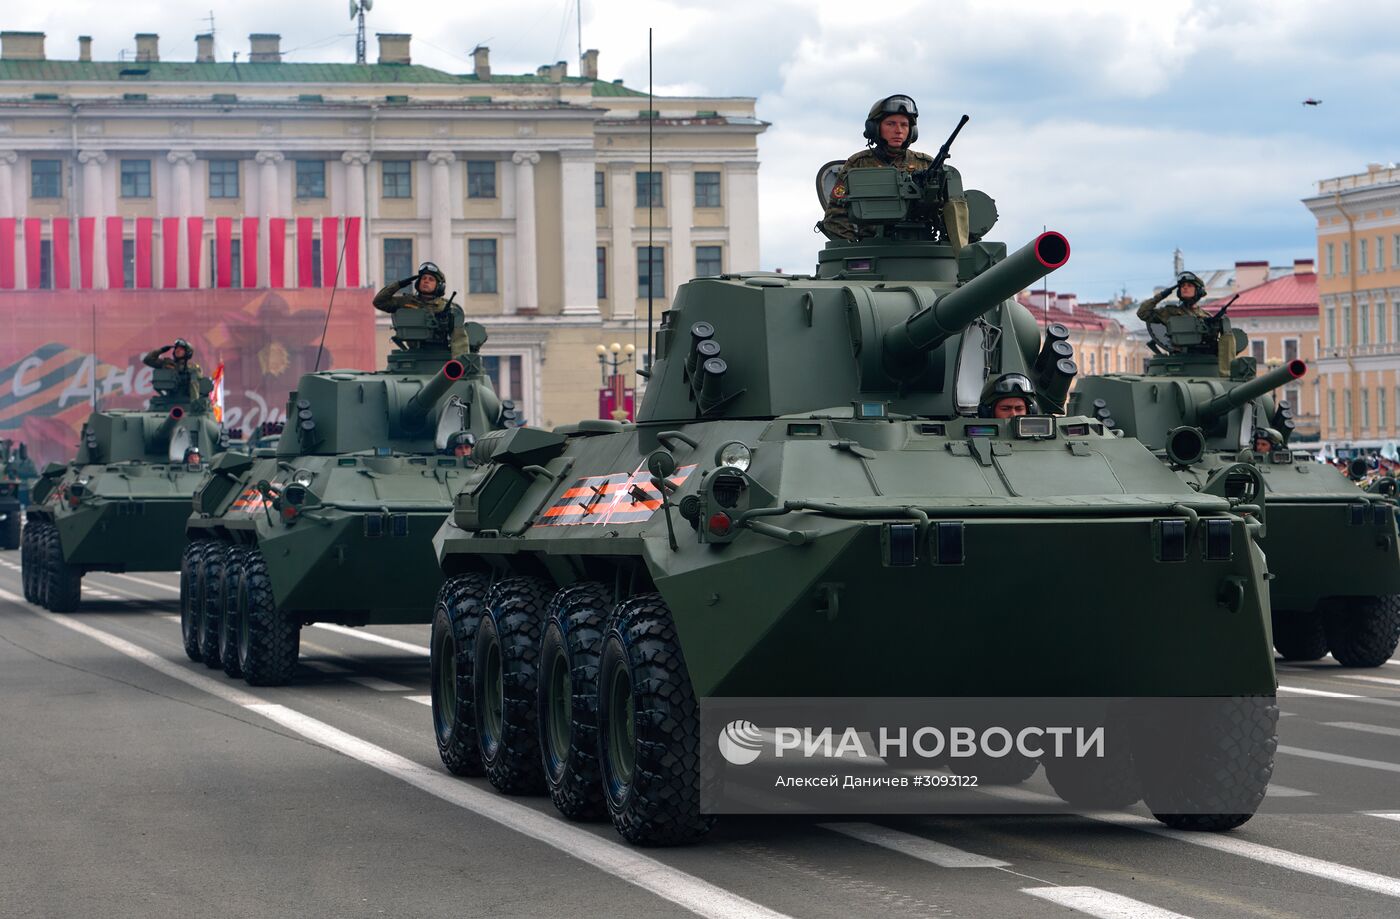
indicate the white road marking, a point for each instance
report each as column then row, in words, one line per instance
column 1095, row 902
column 1368, row 728
column 169, row 588
column 927, row 850
column 1384, row 815
column 1283, row 791
column 1371, row 679
column 1232, row 845
column 378, row 685
column 421, row 700
column 9, row 564
column 327, row 667
column 1339, row 758
column 377, row 639
column 125, row 593
column 1317, row 692
column 614, row 858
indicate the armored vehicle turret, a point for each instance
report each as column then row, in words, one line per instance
column 1332, row 547
column 818, row 501
column 120, row 504
column 334, row 524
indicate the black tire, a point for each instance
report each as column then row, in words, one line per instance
column 1211, row 772
column 649, row 728
column 456, row 616
column 1299, row 636
column 29, row 560
column 209, row 602
column 9, row 534
column 190, row 561
column 268, row 642
column 1362, row 631
column 228, row 613
column 1109, row 783
column 568, row 699
column 62, row 587
column 506, row 684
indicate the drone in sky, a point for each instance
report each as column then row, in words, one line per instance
column 1312, row 101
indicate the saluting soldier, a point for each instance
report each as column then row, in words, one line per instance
column 427, row 287
column 181, row 360
column 1189, row 290
column 891, row 126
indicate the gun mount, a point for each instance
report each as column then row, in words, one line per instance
column 1208, row 412
column 434, row 391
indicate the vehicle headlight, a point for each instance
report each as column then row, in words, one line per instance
column 83, row 480
column 303, row 477
column 734, row 455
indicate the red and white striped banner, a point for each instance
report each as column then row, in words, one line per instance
column 87, row 236
column 145, row 237
column 62, row 257
column 116, row 265
column 170, row 252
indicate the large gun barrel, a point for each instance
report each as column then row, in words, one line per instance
column 417, row 409
column 1222, row 404
column 956, row 310
column 161, row 435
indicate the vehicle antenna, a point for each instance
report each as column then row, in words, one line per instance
column 651, row 198
column 335, row 283
column 95, row 361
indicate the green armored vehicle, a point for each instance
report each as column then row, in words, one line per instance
column 16, row 473
column 817, row 501
column 334, row 524
column 1332, row 547
column 120, row 505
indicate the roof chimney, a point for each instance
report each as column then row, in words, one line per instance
column 393, row 47
column 266, row 48
column 147, row 47
column 559, row 71
column 1066, row 302
column 21, row 46
column 84, row 47
column 481, row 62
column 588, row 67
column 1250, row 274
column 204, row 48
column 1303, row 266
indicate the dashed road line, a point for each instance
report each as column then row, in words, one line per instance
column 376, row 639
column 1360, row 726
column 1093, row 901
column 1283, row 791
column 937, row 853
column 378, row 685
column 1339, row 758
column 1317, row 692
column 421, row 700
column 169, row 588
column 1384, row 815
column 1370, row 679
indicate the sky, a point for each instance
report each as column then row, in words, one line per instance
column 1134, row 128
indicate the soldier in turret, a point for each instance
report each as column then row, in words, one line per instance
column 1189, row 291
column 891, row 126
column 426, row 294
column 181, row 360
column 1008, row 396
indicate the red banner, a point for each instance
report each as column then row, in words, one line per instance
column 62, row 258
column 32, row 263
column 266, row 338
column 7, row 253
column 352, row 252
column 277, row 251
column 170, row 252
column 116, row 267
column 330, row 250
column 87, row 235
column 223, row 251
column 250, row 251
column 305, row 278
column 145, row 236
column 194, row 244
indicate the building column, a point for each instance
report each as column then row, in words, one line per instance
column 267, row 208
column 8, row 158
column 182, row 162
column 355, row 162
column 92, row 162
column 680, row 208
column 440, row 248
column 741, row 211
column 578, row 222
column 622, row 205
column 527, row 282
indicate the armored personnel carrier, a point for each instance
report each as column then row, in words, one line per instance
column 120, row 505
column 813, row 504
column 335, row 523
column 1332, row 547
column 16, row 473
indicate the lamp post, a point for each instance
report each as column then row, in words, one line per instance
column 612, row 398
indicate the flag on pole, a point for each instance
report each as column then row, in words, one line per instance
column 216, row 398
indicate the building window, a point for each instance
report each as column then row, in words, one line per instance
column 128, row 263
column 311, row 178
column 46, row 178
column 481, row 178
column 1362, row 262
column 1346, row 258
column 1365, row 410
column 1347, row 410
column 507, row 373
column 1380, row 322
column 1380, row 255
column 45, row 264
column 1256, row 348
column 1290, row 349
column 1331, row 410
column 1363, row 323
column 707, row 261
column 397, row 178
column 600, row 190
column 235, row 267
column 602, row 273
column 315, row 263
column 398, row 259
column 707, row 189
column 1395, row 250
column 223, row 178
column 649, row 190
column 1294, row 397
column 1346, row 324
column 1380, row 406
column 481, row 266
column 1397, row 407
column 136, row 178
column 1331, row 251
column 1331, row 327
column 651, row 271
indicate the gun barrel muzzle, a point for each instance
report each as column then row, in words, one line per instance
column 418, row 408
column 1253, row 389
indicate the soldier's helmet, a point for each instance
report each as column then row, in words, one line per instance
column 1189, row 277
column 892, row 105
column 182, row 350
column 1270, row 436
column 432, row 269
column 1006, row 385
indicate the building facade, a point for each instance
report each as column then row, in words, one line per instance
column 1101, row 343
column 532, row 192
column 1358, row 284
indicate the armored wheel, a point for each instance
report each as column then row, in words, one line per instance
column 190, row 561
column 456, row 616
column 268, row 642
column 9, row 530
column 62, row 586
column 209, row 601
column 1362, row 631
column 1210, row 772
column 28, row 560
column 505, row 688
column 228, row 611
column 568, row 699
column 649, row 728
column 1299, row 636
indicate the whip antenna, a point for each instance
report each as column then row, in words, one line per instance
column 335, row 284
column 651, row 200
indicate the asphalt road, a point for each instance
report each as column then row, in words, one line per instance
column 134, row 783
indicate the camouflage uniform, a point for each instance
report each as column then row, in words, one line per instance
column 389, row 300
column 836, row 223
column 1149, row 311
column 155, row 360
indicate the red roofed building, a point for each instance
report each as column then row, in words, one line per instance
column 1101, row 343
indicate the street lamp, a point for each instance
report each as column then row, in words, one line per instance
column 611, row 359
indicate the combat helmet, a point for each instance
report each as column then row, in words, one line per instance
column 1008, row 384
column 182, row 345
column 898, row 104
column 1190, row 277
column 432, row 269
